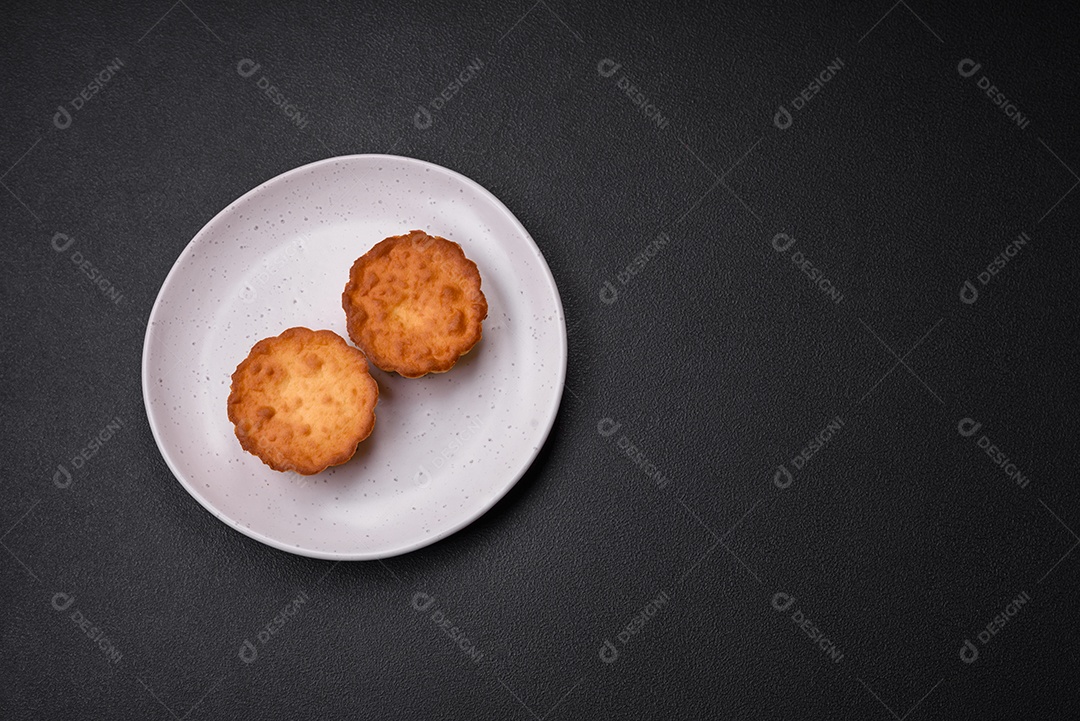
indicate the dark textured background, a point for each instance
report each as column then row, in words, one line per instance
column 720, row 360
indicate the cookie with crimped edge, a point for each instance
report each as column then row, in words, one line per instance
column 413, row 304
column 303, row 400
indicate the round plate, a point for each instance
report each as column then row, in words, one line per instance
column 445, row 447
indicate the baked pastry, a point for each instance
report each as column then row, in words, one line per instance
column 414, row 305
column 303, row 400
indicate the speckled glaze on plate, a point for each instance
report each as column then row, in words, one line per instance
column 445, row 447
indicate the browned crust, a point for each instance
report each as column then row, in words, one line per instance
column 366, row 315
column 249, row 434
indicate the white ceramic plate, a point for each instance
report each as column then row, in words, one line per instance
column 445, row 448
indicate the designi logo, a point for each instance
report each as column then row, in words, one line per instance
column 422, row 120
column 782, row 478
column 62, row 601
column 248, row 652
column 422, row 601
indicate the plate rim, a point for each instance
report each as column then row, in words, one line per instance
column 548, row 422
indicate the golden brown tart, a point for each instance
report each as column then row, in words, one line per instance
column 303, row 400
column 413, row 304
